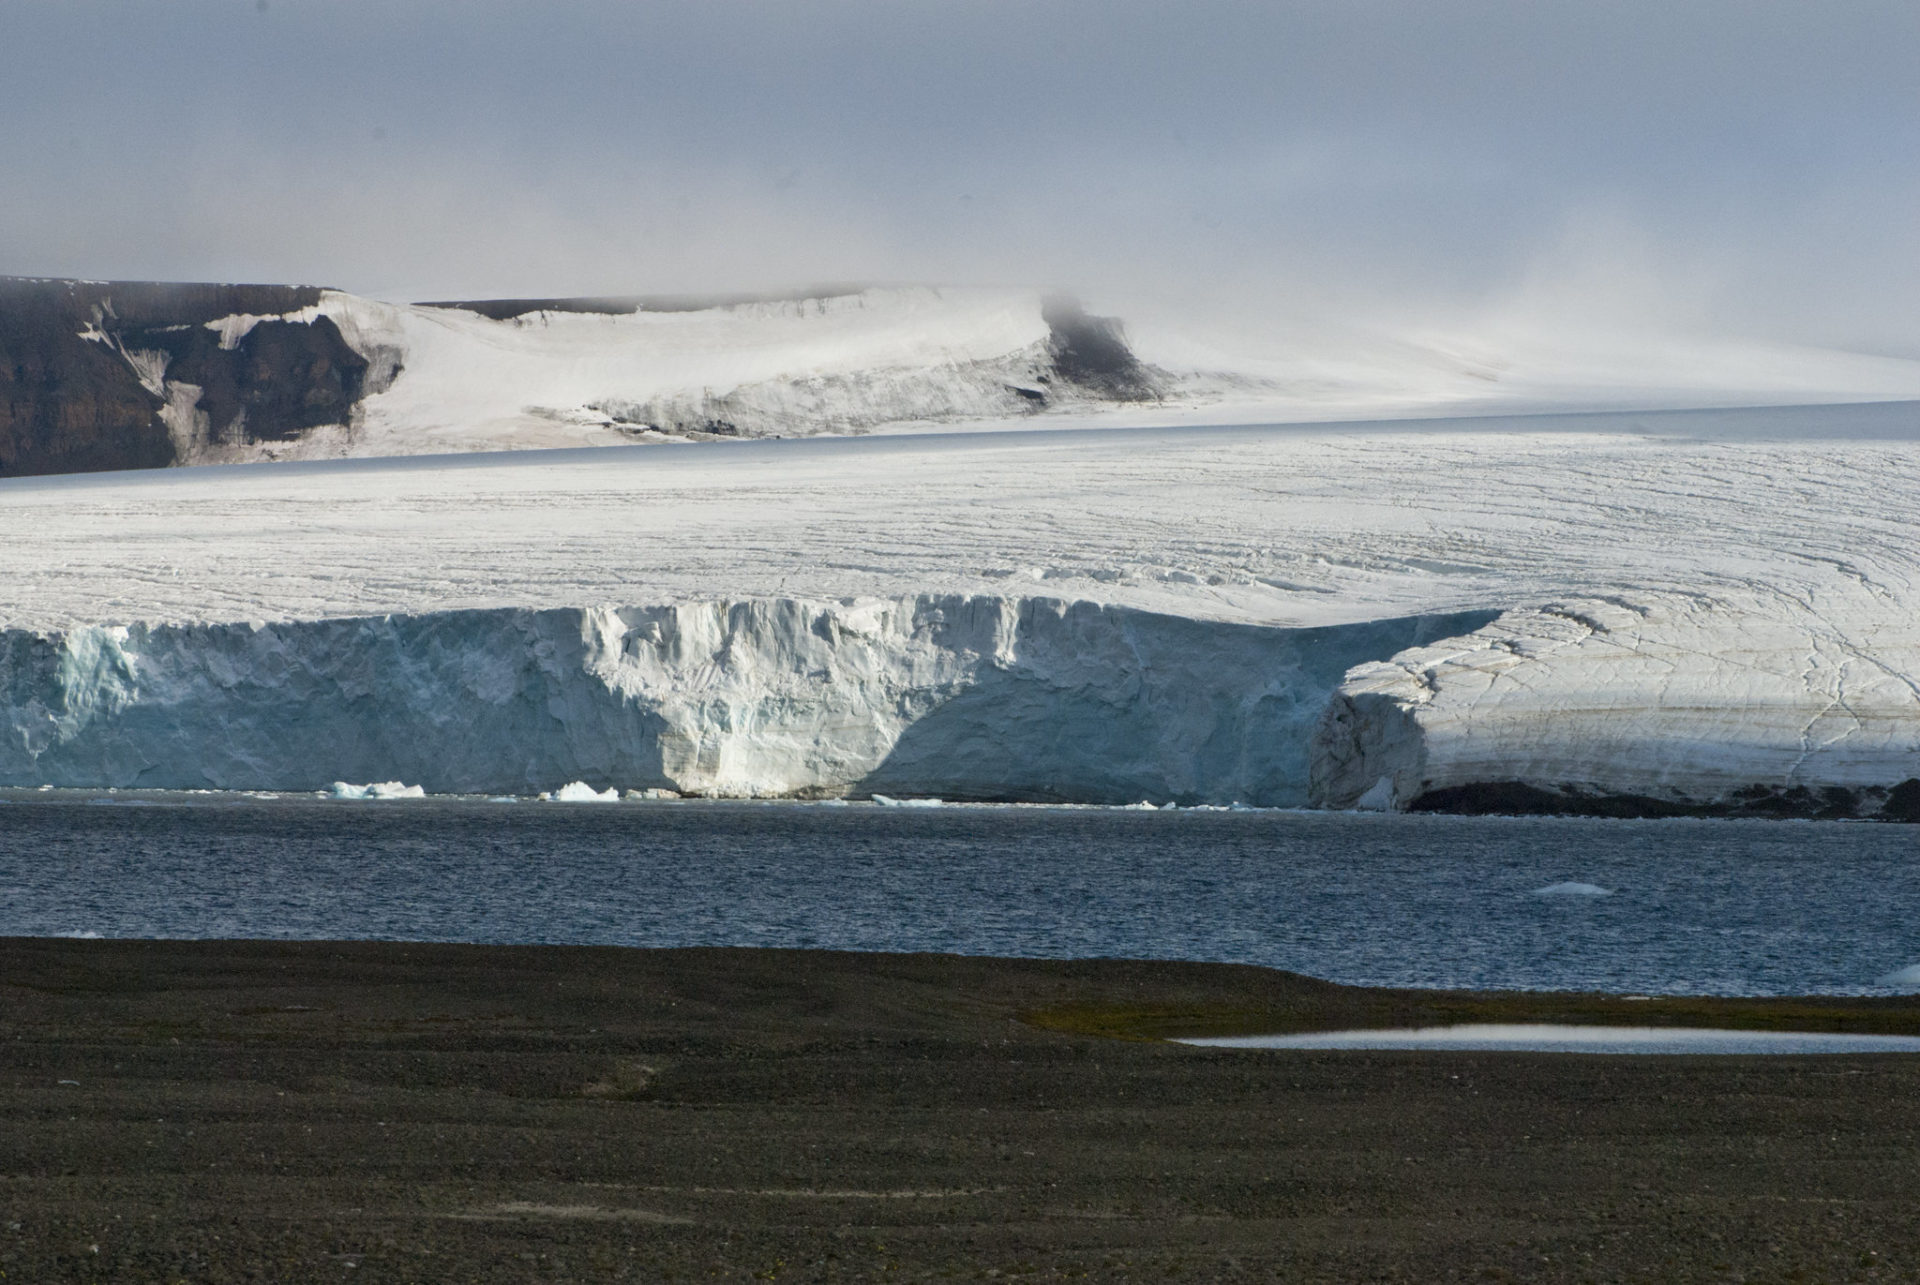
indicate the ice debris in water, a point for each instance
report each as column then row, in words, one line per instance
column 581, row 792
column 1573, row 890
column 377, row 790
column 886, row 801
column 1908, row 976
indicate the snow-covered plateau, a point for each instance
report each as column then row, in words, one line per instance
column 1707, row 610
column 113, row 375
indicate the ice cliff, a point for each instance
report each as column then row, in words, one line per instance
column 1706, row 612
column 960, row 697
column 1660, row 706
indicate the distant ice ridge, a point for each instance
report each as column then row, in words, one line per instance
column 953, row 697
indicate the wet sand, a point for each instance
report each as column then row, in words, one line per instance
column 242, row 1111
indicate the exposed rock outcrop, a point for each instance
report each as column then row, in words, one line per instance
column 112, row 375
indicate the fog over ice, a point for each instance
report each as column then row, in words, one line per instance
column 1513, row 166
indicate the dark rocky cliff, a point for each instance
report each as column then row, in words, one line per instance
column 73, row 400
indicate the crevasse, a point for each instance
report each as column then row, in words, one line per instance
column 963, row 697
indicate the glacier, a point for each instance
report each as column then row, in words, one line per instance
column 1637, row 612
column 965, row 698
column 1741, row 707
column 994, row 698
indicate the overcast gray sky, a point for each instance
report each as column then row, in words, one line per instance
column 1746, row 167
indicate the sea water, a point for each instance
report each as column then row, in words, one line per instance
column 1653, row 907
column 1547, row 1037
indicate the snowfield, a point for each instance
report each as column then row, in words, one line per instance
column 1696, row 608
column 448, row 378
column 444, row 378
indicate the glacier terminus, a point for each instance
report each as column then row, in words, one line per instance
column 1632, row 612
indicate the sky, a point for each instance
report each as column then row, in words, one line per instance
column 1727, row 168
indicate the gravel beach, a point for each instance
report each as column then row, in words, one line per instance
column 267, row 1111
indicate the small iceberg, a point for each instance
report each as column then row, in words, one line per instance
column 1908, row 976
column 581, row 792
column 1572, row 890
column 887, row 801
column 377, row 790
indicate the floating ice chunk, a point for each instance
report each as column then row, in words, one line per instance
column 1908, row 976
column 581, row 792
column 1141, row 806
column 81, row 934
column 887, row 801
column 1572, row 890
column 653, row 792
column 377, row 790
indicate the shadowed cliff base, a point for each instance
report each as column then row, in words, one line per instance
column 196, row 1110
column 1768, row 802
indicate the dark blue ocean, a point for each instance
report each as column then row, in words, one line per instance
column 1710, row 907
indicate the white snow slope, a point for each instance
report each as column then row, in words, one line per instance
column 845, row 363
column 1684, row 606
column 924, row 358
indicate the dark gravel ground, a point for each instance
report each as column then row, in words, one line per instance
column 252, row 1111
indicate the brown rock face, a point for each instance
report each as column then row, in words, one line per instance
column 84, row 365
